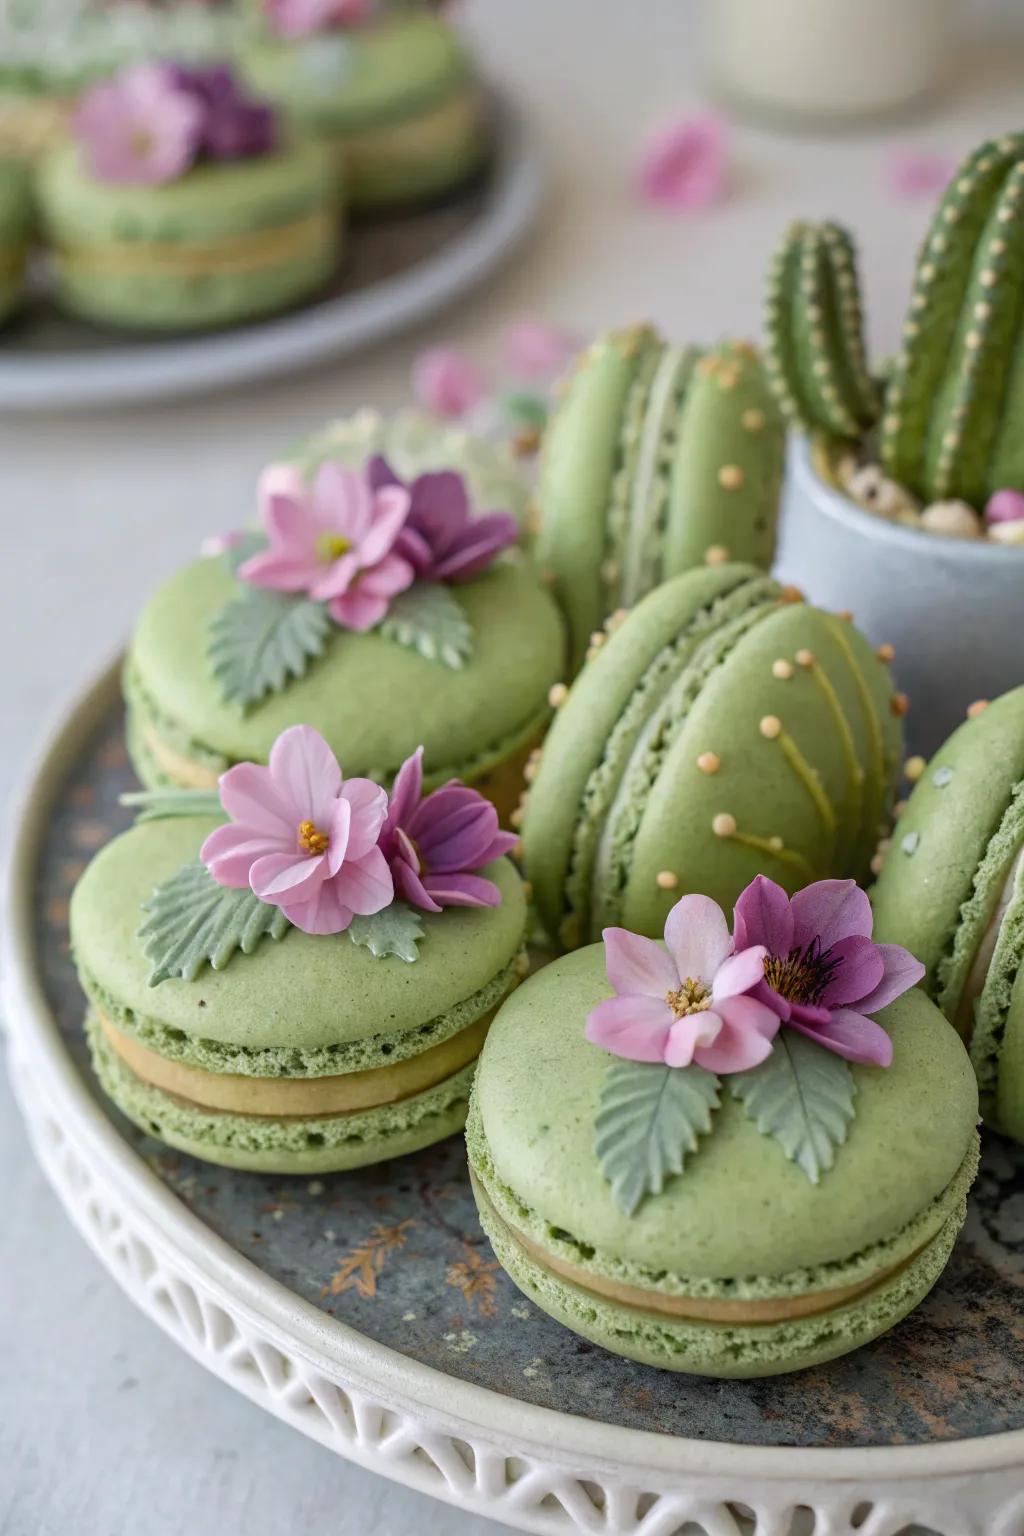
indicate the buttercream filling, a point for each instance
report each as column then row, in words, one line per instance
column 430, row 132
column 978, row 974
column 249, row 252
column 775, row 1309
column 302, row 1098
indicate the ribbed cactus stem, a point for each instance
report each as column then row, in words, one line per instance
column 953, row 424
column 814, row 339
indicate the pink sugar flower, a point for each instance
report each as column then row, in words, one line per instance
column 532, row 349
column 334, row 539
column 824, row 974
column 684, row 164
column 686, row 1002
column 434, row 843
column 139, row 128
column 914, row 173
column 301, row 837
column 1005, row 506
column 441, row 538
column 447, row 382
column 304, row 18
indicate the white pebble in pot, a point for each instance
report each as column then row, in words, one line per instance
column 880, row 494
column 955, row 519
column 1007, row 533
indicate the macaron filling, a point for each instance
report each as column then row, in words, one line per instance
column 434, row 129
column 250, row 252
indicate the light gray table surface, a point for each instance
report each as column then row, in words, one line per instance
column 105, row 1427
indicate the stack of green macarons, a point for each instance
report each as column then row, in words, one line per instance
column 658, row 458
column 722, row 728
column 951, row 890
column 16, row 219
column 394, row 99
column 467, row 676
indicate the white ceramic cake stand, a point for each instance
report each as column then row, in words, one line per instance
column 534, row 1468
column 397, row 272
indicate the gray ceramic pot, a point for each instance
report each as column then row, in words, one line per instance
column 953, row 608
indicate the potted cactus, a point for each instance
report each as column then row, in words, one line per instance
column 905, row 500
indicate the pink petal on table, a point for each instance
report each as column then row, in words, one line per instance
column 533, row 349
column 914, row 173
column 447, row 382
column 684, row 163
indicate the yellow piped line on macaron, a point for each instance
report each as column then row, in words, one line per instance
column 302, row 1098
column 772, row 729
column 697, row 1309
column 250, row 252
column 724, row 825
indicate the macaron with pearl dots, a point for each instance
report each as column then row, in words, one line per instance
column 658, row 458
column 724, row 728
column 951, row 889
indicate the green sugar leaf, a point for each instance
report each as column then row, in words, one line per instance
column 802, row 1095
column 650, row 1118
column 259, row 641
column 395, row 931
column 192, row 921
column 428, row 618
column 158, row 804
column 525, row 409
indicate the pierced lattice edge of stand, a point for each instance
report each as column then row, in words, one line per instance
column 469, row 1471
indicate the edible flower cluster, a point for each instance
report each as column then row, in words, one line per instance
column 355, row 540
column 325, row 849
column 806, row 962
column 152, row 122
column 305, row 18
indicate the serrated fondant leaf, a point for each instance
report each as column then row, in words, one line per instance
column 395, row 931
column 429, row 618
column 259, row 641
column 158, row 804
column 802, row 1095
column 650, row 1118
column 192, row 921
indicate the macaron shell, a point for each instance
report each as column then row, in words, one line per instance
column 417, row 158
column 579, row 460
column 942, row 838
column 262, row 1144
column 1004, row 1109
column 578, row 738
column 801, row 786
column 727, row 466
column 538, row 1092
column 302, row 993
column 467, row 719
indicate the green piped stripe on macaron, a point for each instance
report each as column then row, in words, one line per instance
column 289, row 1061
column 638, row 535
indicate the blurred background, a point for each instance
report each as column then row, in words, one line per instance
column 98, row 505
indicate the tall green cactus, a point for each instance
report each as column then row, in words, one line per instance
column 953, row 423
column 814, row 341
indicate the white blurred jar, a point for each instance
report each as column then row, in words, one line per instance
column 829, row 61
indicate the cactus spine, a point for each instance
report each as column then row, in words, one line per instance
column 953, row 424
column 814, row 333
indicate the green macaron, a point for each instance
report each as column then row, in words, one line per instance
column 721, row 730
column 231, row 240
column 308, row 1053
column 951, row 891
column 394, row 100
column 16, row 215
column 657, row 459
column 739, row 1265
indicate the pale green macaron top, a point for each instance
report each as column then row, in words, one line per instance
column 303, row 1005
column 741, row 1219
column 722, row 730
column 364, row 76
column 216, row 200
column 657, row 458
column 951, row 891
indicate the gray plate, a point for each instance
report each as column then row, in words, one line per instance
column 398, row 270
column 396, row 1253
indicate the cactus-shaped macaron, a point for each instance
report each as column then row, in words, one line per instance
column 953, row 424
column 657, row 458
column 813, row 333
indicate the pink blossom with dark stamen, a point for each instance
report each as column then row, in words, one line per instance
column 441, row 538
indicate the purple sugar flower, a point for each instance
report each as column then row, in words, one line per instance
column 823, row 973
column 233, row 126
column 433, row 843
column 441, row 538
